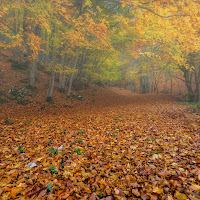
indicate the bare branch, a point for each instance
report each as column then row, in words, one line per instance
column 178, row 78
column 163, row 16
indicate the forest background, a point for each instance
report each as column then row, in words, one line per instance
column 129, row 43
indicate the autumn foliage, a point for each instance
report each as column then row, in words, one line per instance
column 68, row 127
column 107, row 42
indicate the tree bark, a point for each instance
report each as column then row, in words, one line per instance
column 33, row 70
column 171, row 90
column 144, row 84
column 51, row 86
column 72, row 76
column 188, row 82
column 60, row 81
column 165, row 85
column 197, row 83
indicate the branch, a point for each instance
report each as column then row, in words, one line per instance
column 1, row 21
column 179, row 78
column 152, row 11
column 167, row 16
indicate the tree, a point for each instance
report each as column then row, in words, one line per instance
column 175, row 25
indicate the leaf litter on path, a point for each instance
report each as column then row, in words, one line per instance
column 121, row 151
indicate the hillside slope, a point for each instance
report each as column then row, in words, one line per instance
column 94, row 96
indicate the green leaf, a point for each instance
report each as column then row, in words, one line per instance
column 77, row 151
column 49, row 187
column 20, row 150
column 52, row 151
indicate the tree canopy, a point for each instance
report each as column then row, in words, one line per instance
column 104, row 41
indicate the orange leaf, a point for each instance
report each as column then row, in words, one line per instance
column 157, row 190
column 15, row 192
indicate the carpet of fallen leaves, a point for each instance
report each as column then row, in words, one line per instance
column 113, row 147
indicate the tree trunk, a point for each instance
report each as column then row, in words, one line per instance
column 62, row 79
column 51, row 86
column 188, row 82
column 144, row 84
column 165, row 85
column 197, row 82
column 152, row 83
column 134, row 86
column 70, row 84
column 60, row 82
column 15, row 55
column 33, row 70
column 171, row 90
column 72, row 76
column 157, row 80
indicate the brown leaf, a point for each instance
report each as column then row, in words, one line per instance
column 109, row 198
column 33, row 191
column 169, row 197
column 70, row 185
column 42, row 193
column 194, row 197
column 93, row 196
column 163, row 173
column 116, row 190
column 195, row 187
column 136, row 192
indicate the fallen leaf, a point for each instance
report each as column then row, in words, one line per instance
column 180, row 196
column 93, row 196
column 31, row 165
column 136, row 192
column 15, row 191
column 195, row 187
column 157, row 190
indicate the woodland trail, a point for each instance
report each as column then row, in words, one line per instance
column 116, row 145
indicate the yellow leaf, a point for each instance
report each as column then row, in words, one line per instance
column 111, row 143
column 180, row 196
column 39, row 159
column 133, row 147
column 114, row 177
column 66, row 173
column 22, row 185
column 126, row 192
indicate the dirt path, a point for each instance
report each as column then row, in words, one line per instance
column 116, row 145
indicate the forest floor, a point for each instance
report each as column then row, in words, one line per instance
column 113, row 145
